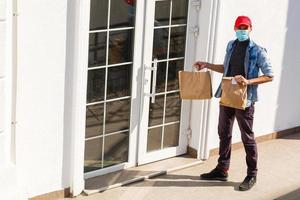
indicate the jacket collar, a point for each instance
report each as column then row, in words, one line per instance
column 251, row 44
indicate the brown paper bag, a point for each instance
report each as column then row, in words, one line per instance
column 233, row 94
column 195, row 85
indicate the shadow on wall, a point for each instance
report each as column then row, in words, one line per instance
column 288, row 110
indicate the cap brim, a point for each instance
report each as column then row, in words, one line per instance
column 245, row 24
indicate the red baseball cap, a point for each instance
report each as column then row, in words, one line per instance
column 242, row 20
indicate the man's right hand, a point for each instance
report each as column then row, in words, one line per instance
column 200, row 65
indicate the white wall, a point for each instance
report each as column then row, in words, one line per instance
column 5, row 81
column 40, row 95
column 4, row 133
column 8, row 184
column 275, row 28
column 201, row 53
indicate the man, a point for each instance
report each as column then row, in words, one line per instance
column 243, row 61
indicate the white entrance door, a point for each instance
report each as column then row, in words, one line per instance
column 111, row 83
column 164, row 117
column 121, row 106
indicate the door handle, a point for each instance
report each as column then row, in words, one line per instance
column 154, row 70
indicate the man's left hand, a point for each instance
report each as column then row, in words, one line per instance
column 241, row 80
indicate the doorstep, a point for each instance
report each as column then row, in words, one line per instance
column 140, row 173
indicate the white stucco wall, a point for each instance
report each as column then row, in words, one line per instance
column 201, row 53
column 40, row 95
column 8, row 182
column 275, row 28
column 5, row 79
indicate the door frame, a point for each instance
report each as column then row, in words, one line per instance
column 143, row 156
column 76, row 83
column 135, row 97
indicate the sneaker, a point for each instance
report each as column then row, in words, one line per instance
column 248, row 183
column 215, row 174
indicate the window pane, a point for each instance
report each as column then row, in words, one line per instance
column 97, row 49
column 94, row 120
column 160, row 43
column 171, row 135
column 156, row 111
column 173, row 80
column 118, row 81
column 122, row 13
column 116, row 149
column 98, row 15
column 154, row 139
column 117, row 115
column 93, row 154
column 120, row 46
column 162, row 13
column 96, row 85
column 177, row 42
column 173, row 107
column 179, row 11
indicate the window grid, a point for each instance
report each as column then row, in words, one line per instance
column 170, row 26
column 167, row 60
column 108, row 134
column 166, row 81
column 107, row 30
column 170, row 59
column 165, row 124
column 105, row 87
column 108, row 101
column 108, row 66
column 111, row 29
column 168, row 92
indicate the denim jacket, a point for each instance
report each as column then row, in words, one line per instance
column 256, row 60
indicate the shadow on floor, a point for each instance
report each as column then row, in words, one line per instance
column 106, row 180
column 125, row 175
column 294, row 195
column 292, row 137
column 184, row 181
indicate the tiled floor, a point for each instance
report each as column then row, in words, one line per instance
column 278, row 178
column 100, row 183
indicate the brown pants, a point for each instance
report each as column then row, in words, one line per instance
column 245, row 122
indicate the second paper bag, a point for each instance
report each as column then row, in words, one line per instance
column 233, row 94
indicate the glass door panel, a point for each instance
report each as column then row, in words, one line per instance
column 166, row 25
column 109, row 83
column 168, row 43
